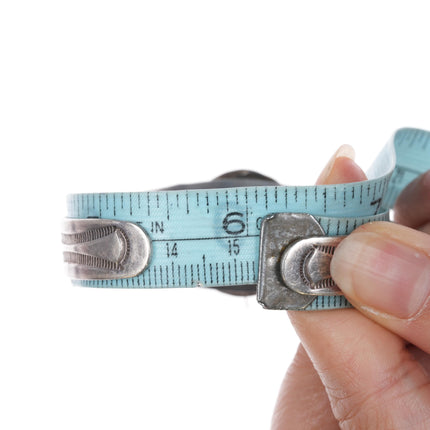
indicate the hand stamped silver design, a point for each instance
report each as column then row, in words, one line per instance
column 305, row 266
column 104, row 249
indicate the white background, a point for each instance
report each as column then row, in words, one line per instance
column 132, row 96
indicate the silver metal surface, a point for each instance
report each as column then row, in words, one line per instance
column 305, row 266
column 286, row 255
column 104, row 249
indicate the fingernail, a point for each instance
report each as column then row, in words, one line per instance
column 382, row 274
column 343, row 151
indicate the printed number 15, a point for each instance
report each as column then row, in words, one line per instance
column 233, row 247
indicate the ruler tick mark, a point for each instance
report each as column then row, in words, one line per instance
column 167, row 206
column 235, row 270
column 241, row 272
column 173, row 273
column 198, row 272
column 325, row 199
column 204, row 269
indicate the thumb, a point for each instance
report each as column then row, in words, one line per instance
column 384, row 271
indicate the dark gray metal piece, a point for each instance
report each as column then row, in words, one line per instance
column 305, row 266
column 104, row 249
column 236, row 178
column 277, row 265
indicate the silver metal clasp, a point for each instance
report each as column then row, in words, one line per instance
column 294, row 264
column 104, row 249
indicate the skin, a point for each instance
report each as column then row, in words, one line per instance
column 364, row 368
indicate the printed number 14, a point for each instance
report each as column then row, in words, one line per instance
column 172, row 249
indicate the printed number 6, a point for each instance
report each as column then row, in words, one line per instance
column 233, row 224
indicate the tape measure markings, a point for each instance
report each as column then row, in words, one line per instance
column 79, row 205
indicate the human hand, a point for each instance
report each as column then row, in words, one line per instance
column 368, row 367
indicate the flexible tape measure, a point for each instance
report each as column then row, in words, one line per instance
column 213, row 237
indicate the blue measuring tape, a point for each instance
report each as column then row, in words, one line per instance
column 211, row 237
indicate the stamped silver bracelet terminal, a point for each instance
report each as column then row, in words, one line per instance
column 305, row 266
column 104, row 248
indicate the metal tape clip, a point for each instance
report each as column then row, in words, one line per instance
column 104, row 249
column 294, row 264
